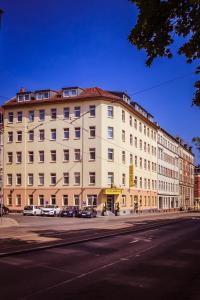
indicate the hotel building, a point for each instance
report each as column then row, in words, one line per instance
column 79, row 147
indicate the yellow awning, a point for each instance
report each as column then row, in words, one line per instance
column 112, row 191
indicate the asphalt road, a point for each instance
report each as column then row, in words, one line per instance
column 161, row 263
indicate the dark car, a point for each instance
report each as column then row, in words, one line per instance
column 5, row 210
column 87, row 212
column 69, row 211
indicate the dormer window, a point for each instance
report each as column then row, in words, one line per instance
column 42, row 95
column 23, row 97
column 70, row 93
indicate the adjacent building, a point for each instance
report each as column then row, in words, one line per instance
column 197, row 187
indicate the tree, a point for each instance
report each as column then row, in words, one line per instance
column 1, row 13
column 159, row 21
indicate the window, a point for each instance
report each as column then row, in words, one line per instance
column 145, row 146
column 131, row 139
column 53, row 134
column 76, row 200
column 123, row 136
column 30, row 179
column 149, row 184
column 41, row 156
column 10, row 157
column 41, row 200
column 53, row 178
column 41, row 178
column 135, row 161
column 41, row 114
column 140, row 127
column 9, row 179
column 66, row 155
column 53, row 113
column 123, row 116
column 131, row 159
column 31, row 116
column 30, row 199
column 110, row 132
column 123, row 200
column 53, row 199
column 66, row 133
column 140, row 144
column 10, row 137
column 110, row 154
column 19, row 136
column 92, row 178
column 92, row 131
column 9, row 199
column 77, row 132
column 110, row 178
column 131, row 121
column 18, row 200
column 77, row 111
column 30, row 157
column 41, row 135
column 66, row 178
column 19, row 158
column 19, row 116
column 77, row 154
column 77, row 178
column 31, row 136
column 149, row 166
column 145, row 183
column 18, row 179
column 110, row 111
column 136, row 181
column 140, row 182
column 92, row 200
column 145, row 130
column 10, row 117
column 66, row 112
column 135, row 142
column 145, row 164
column 53, row 155
column 65, row 200
column 92, row 110
column 123, row 179
column 123, row 157
column 92, row 155
column 135, row 123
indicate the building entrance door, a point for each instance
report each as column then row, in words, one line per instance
column 110, row 203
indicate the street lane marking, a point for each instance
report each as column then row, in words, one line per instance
column 134, row 241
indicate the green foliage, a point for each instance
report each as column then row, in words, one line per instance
column 196, row 141
column 159, row 21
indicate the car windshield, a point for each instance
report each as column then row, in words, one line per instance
column 88, row 208
column 49, row 206
column 28, row 207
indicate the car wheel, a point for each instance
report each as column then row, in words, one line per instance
column 34, row 213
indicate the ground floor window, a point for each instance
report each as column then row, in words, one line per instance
column 123, row 200
column 41, row 200
column 76, row 200
column 53, row 199
column 65, row 200
column 131, row 200
column 9, row 200
column 30, row 199
column 92, row 200
column 18, row 200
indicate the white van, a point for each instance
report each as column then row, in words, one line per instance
column 32, row 210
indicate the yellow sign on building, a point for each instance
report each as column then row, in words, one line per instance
column 131, row 176
column 112, row 191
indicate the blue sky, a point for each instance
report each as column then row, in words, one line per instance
column 51, row 44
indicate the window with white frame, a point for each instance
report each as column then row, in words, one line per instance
column 41, row 156
column 41, row 135
column 9, row 179
column 76, row 200
column 66, row 112
column 10, row 158
column 31, row 135
column 77, row 111
column 123, row 136
column 31, row 116
column 110, row 132
column 19, row 116
column 77, row 178
column 19, row 136
column 53, row 199
column 123, row 157
column 18, row 179
column 66, row 178
column 53, row 178
column 110, row 154
column 65, row 200
column 30, row 199
column 131, row 121
column 30, row 179
column 92, row 200
column 123, row 116
column 41, row 178
column 123, row 200
column 110, row 179
column 53, row 114
column 92, row 110
column 110, row 113
column 140, row 127
column 77, row 154
column 41, row 114
column 66, row 133
column 53, row 155
column 92, row 154
column 66, row 155
column 19, row 157
column 10, row 117
column 10, row 137
column 9, row 200
column 77, row 132
column 53, row 134
column 30, row 156
column 135, row 142
column 123, row 179
column 18, row 200
column 92, row 178
column 135, row 123
column 92, row 130
column 131, row 139
column 41, row 200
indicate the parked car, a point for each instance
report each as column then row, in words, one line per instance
column 50, row 210
column 87, row 212
column 5, row 210
column 32, row 210
column 69, row 211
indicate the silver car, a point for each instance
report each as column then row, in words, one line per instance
column 32, row 210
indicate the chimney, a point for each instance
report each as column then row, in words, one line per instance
column 22, row 90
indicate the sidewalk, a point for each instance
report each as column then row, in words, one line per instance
column 7, row 222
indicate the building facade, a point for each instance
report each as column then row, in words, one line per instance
column 79, row 147
column 197, row 187
column 168, row 171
